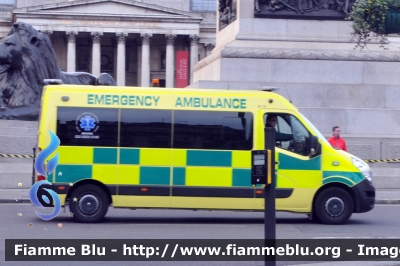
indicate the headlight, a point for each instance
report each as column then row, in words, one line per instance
column 363, row 167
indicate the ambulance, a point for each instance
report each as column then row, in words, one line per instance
column 135, row 147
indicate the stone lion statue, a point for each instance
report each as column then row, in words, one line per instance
column 26, row 59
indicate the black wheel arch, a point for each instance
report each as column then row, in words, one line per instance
column 337, row 185
column 90, row 182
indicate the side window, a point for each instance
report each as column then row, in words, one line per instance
column 213, row 130
column 146, row 128
column 283, row 129
column 87, row 126
column 301, row 137
column 291, row 135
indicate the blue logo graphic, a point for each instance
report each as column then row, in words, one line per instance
column 38, row 194
column 87, row 123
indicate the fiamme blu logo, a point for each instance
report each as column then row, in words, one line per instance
column 39, row 195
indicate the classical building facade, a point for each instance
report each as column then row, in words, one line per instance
column 134, row 41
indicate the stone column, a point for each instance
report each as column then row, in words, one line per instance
column 209, row 47
column 145, row 78
column 71, row 51
column 170, row 62
column 96, row 54
column 194, row 54
column 121, row 37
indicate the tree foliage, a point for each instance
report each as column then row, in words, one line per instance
column 369, row 17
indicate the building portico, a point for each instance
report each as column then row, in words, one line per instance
column 134, row 42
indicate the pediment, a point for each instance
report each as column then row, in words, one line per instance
column 107, row 8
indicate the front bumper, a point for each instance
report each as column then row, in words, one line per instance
column 364, row 196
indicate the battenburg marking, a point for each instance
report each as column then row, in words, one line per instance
column 132, row 100
column 212, row 103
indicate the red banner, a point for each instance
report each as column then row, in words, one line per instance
column 182, row 66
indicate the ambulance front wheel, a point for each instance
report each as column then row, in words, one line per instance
column 333, row 206
column 88, row 204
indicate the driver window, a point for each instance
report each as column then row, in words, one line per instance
column 283, row 128
column 291, row 135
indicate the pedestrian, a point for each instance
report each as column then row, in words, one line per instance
column 336, row 141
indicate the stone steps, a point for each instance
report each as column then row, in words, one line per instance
column 15, row 171
column 386, row 175
column 18, row 137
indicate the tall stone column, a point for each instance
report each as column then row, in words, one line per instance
column 121, row 37
column 71, row 51
column 96, row 54
column 170, row 62
column 209, row 48
column 194, row 54
column 145, row 79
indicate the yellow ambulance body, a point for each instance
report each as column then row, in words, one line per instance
column 191, row 149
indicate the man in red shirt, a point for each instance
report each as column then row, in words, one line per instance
column 336, row 141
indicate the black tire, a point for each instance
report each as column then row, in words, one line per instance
column 89, row 204
column 333, row 206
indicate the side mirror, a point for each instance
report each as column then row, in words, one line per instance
column 315, row 147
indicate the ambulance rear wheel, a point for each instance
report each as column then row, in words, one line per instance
column 88, row 204
column 333, row 206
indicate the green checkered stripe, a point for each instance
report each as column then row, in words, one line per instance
column 154, row 175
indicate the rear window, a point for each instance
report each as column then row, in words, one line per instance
column 146, row 128
column 213, row 130
column 87, row 126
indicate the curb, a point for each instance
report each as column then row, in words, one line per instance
column 15, row 201
column 392, row 202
